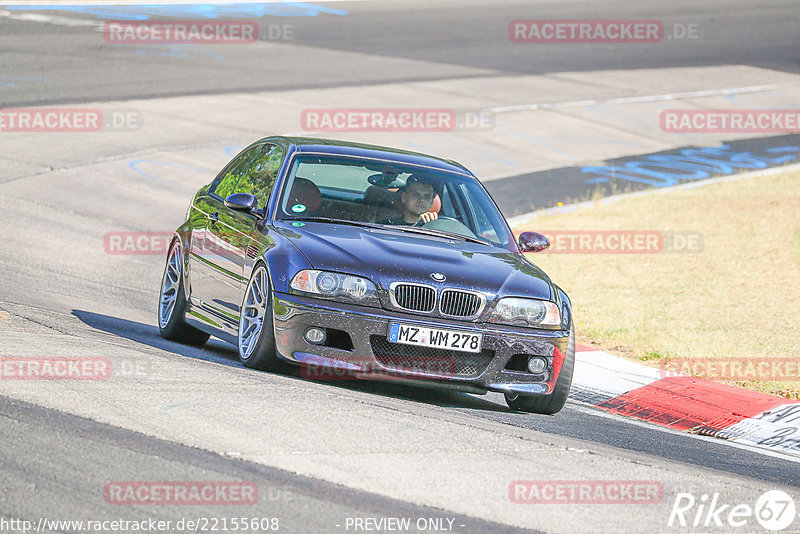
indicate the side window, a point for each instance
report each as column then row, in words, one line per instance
column 448, row 209
column 225, row 184
column 259, row 177
column 453, row 202
column 483, row 226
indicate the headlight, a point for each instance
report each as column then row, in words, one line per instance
column 526, row 312
column 336, row 286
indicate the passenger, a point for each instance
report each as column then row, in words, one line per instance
column 306, row 196
column 416, row 200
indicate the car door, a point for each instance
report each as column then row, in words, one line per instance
column 229, row 232
column 207, row 292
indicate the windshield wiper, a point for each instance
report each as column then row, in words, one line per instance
column 439, row 233
column 332, row 220
column 411, row 229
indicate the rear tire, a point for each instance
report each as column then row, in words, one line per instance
column 553, row 402
column 172, row 302
column 256, row 335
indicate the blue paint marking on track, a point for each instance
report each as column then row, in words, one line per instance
column 178, row 51
column 734, row 99
column 233, row 150
column 24, row 78
column 134, row 165
column 527, row 192
column 16, row 79
column 690, row 164
column 191, row 11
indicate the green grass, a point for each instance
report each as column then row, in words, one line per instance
column 738, row 297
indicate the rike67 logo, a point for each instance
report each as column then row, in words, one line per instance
column 774, row 510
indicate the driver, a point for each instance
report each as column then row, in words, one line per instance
column 416, row 199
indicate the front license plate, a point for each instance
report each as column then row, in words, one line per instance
column 437, row 338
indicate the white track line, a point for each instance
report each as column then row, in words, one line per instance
column 152, row 2
column 52, row 19
column 641, row 99
column 590, row 409
column 99, row 24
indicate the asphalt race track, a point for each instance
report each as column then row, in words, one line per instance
column 325, row 454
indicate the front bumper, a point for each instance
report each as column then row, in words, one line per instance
column 374, row 358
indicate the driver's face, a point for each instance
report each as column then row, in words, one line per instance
column 418, row 198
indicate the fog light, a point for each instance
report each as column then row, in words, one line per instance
column 315, row 335
column 537, row 365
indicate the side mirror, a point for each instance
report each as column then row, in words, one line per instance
column 533, row 242
column 242, row 202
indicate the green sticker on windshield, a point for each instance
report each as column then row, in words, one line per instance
column 299, row 208
column 298, row 224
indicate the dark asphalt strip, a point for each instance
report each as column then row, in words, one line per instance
column 524, row 193
column 56, row 465
column 416, row 41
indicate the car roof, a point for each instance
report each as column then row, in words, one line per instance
column 347, row 148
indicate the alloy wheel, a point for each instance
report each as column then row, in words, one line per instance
column 170, row 286
column 253, row 311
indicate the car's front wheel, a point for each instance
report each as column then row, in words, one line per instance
column 553, row 402
column 172, row 302
column 256, row 334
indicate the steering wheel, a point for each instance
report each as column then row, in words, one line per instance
column 441, row 218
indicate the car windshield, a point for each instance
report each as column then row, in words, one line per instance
column 339, row 188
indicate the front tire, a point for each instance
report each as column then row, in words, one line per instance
column 552, row 403
column 172, row 303
column 256, row 334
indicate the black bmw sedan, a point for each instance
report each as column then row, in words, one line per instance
column 383, row 263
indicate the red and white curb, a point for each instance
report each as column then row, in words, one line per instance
column 686, row 403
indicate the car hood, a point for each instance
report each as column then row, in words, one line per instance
column 386, row 256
